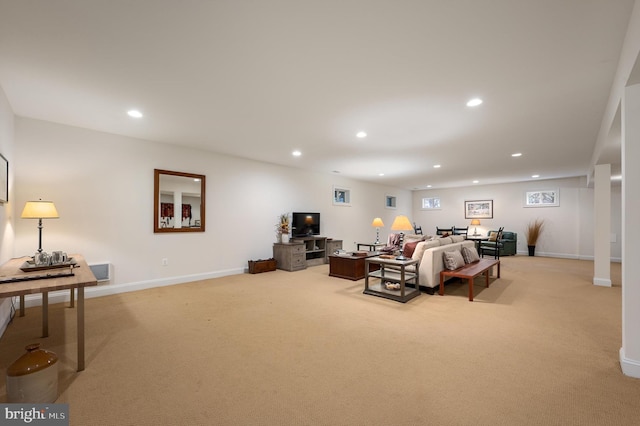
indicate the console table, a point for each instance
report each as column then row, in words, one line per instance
column 393, row 271
column 82, row 277
column 315, row 249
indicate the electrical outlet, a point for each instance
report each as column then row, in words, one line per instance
column 165, row 262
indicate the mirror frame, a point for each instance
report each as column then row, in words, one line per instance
column 156, row 201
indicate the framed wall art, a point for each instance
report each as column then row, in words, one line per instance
column 4, row 179
column 543, row 198
column 478, row 209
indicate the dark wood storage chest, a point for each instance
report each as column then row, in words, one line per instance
column 266, row 265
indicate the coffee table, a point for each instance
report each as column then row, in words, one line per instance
column 350, row 267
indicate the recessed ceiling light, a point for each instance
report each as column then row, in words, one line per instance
column 517, row 154
column 380, row 174
column 296, row 153
column 436, row 166
column 535, row 176
column 428, row 186
column 474, row 102
column 361, row 135
column 476, row 181
column 134, row 113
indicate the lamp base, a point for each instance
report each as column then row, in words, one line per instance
column 401, row 257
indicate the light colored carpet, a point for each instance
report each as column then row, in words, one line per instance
column 539, row 346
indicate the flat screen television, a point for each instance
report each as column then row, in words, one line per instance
column 305, row 224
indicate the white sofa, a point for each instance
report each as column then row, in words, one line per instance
column 430, row 255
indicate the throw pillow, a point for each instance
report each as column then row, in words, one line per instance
column 409, row 248
column 453, row 260
column 470, row 254
column 493, row 236
column 444, row 241
column 411, row 238
column 419, row 251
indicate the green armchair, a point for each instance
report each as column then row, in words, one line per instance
column 508, row 243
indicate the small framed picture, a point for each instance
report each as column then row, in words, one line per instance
column 543, row 198
column 478, row 209
column 4, row 179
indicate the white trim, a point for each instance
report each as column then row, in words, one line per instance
column 602, row 282
column 61, row 296
column 629, row 367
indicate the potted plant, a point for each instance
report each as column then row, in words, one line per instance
column 532, row 233
column 282, row 228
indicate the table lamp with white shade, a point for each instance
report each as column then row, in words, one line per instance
column 401, row 223
column 39, row 210
column 377, row 223
column 475, row 222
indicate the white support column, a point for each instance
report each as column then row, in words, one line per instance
column 630, row 351
column 602, row 231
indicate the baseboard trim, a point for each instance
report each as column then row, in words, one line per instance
column 629, row 367
column 567, row 256
column 602, row 282
column 111, row 289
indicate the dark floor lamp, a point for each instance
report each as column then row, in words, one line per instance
column 401, row 223
column 39, row 210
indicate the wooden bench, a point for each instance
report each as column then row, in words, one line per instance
column 469, row 272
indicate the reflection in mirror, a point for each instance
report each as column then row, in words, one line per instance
column 178, row 202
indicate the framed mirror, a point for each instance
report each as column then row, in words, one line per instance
column 178, row 201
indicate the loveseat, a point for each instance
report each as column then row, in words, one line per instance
column 508, row 243
column 429, row 252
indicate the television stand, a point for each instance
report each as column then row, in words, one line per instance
column 315, row 249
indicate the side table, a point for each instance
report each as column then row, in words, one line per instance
column 392, row 271
column 370, row 246
column 478, row 239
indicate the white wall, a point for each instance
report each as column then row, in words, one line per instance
column 568, row 227
column 102, row 185
column 6, row 209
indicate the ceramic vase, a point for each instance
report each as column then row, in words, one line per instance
column 33, row 378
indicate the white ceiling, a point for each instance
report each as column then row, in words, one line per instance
column 260, row 79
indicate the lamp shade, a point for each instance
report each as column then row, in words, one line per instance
column 475, row 222
column 377, row 223
column 39, row 210
column 401, row 223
